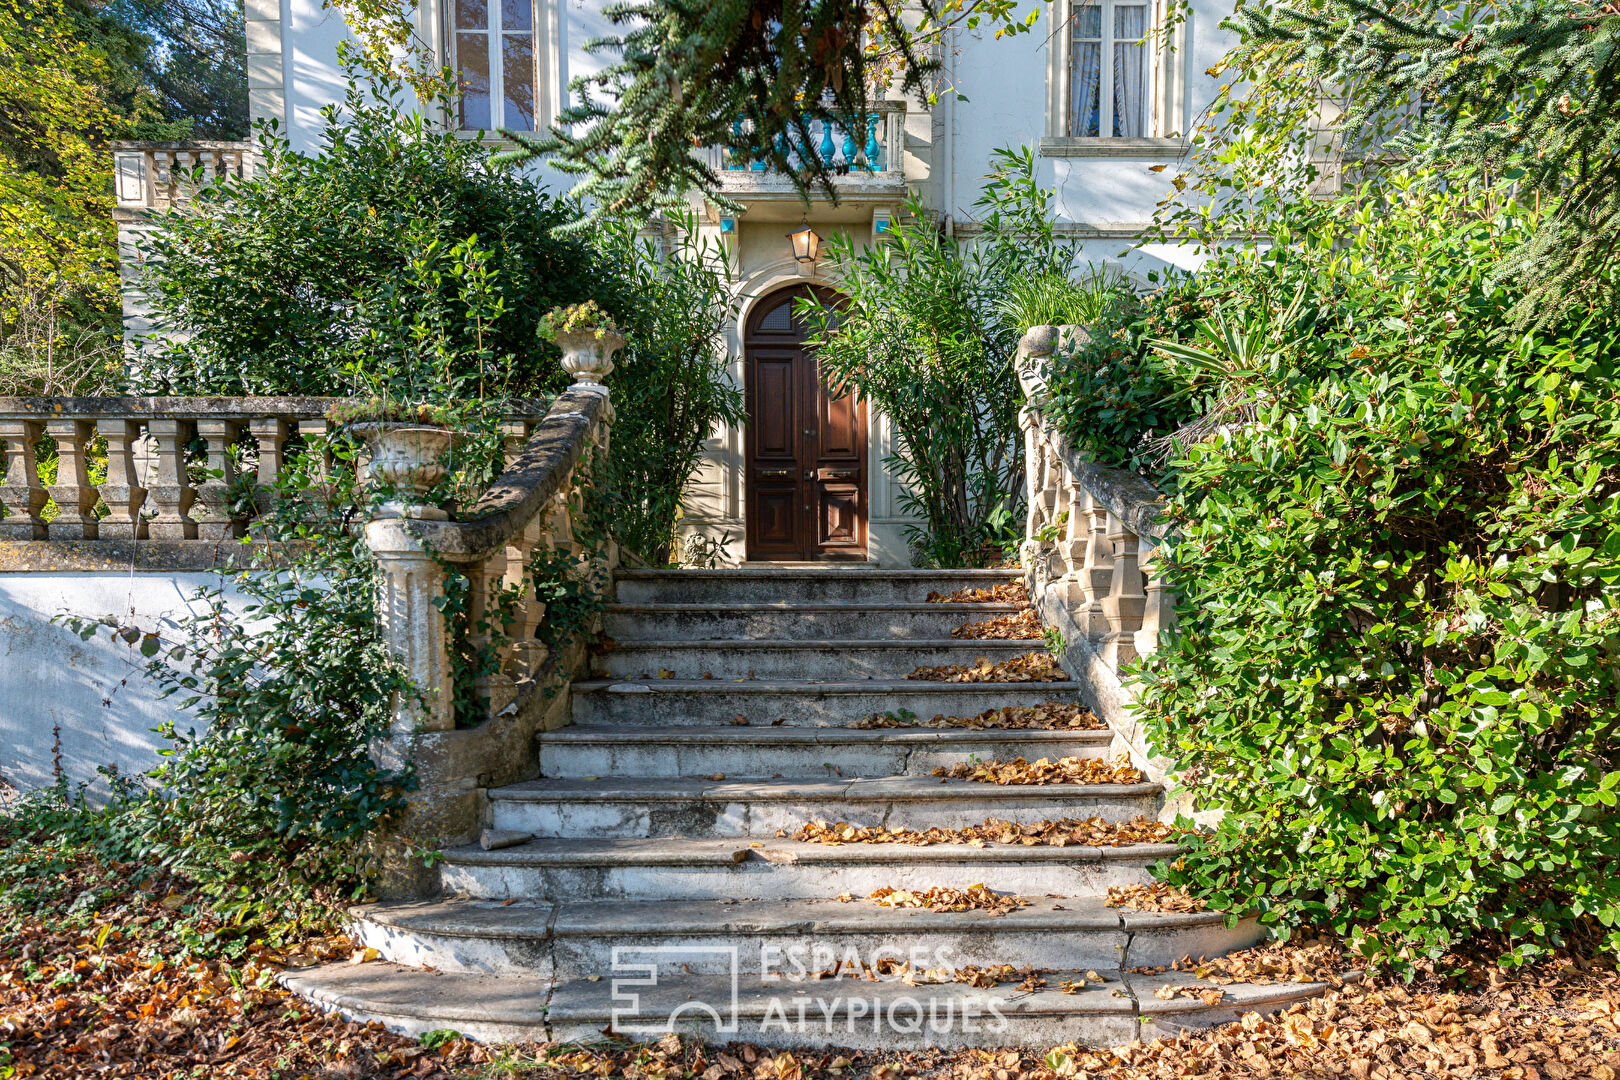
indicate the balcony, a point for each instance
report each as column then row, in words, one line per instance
column 158, row 175
column 865, row 171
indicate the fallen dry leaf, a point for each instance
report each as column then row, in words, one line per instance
column 1020, row 625
column 1063, row 832
column 972, row 898
column 1050, row 716
column 1153, row 897
column 1011, row 593
column 1030, row 667
column 1067, row 770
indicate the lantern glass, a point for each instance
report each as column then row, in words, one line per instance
column 806, row 244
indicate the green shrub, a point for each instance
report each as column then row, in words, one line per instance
column 268, row 793
column 1398, row 658
column 319, row 274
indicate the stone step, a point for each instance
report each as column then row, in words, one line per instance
column 772, row 585
column 629, row 622
column 667, row 703
column 668, row 868
column 884, row 1015
column 699, row 807
column 575, row 939
column 796, row 659
column 740, row 752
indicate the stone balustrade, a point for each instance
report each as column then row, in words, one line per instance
column 1091, row 551
column 157, row 175
column 171, row 470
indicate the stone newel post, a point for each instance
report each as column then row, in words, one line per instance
column 409, row 594
column 412, row 588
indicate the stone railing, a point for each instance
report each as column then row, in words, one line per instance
column 152, row 490
column 156, row 175
column 1091, row 542
column 530, row 508
column 170, row 487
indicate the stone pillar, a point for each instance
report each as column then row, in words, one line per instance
column 408, row 596
column 1126, row 601
column 22, row 494
column 213, row 510
column 122, row 491
column 169, row 493
column 74, row 494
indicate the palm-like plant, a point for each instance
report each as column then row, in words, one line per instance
column 1231, row 367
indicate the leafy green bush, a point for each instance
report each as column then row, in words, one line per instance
column 1110, row 395
column 671, row 384
column 269, row 794
column 1399, row 573
column 1056, row 299
column 325, row 274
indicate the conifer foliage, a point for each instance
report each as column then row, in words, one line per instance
column 1526, row 89
column 749, row 75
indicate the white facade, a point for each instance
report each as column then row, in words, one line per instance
column 1102, row 104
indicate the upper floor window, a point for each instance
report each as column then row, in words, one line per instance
column 495, row 55
column 1110, row 70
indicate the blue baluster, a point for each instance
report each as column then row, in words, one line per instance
column 732, row 163
column 874, row 152
column 758, row 165
column 849, row 150
column 826, row 147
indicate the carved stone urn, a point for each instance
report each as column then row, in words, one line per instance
column 587, row 355
column 407, row 460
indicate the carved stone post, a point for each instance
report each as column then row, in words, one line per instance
column 271, row 433
column 75, row 496
column 1160, row 613
column 1096, row 568
column 1126, row 602
column 409, row 597
column 1072, row 548
column 528, row 652
column 22, row 494
column 214, row 515
column 169, row 490
column 494, row 688
column 122, row 491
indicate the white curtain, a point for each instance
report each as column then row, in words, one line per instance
column 1130, row 71
column 1085, row 70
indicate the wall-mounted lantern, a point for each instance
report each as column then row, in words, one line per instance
column 806, row 244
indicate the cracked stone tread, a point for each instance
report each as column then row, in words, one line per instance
column 930, row 738
column 808, row 789
column 727, row 851
column 445, row 999
column 540, row 918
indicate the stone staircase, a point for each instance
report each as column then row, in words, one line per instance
column 656, row 893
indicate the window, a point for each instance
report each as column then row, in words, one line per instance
column 1110, row 70
column 495, row 56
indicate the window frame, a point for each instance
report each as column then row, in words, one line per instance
column 541, row 36
column 1165, row 91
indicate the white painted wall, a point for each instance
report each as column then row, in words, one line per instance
column 87, row 701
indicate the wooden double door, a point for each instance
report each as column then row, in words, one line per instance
column 805, row 442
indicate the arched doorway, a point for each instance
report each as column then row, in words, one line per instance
column 805, row 445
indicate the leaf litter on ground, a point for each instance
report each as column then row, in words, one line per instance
column 1049, row 716
column 1062, row 832
column 1065, row 770
column 1029, row 667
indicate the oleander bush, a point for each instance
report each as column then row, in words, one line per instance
column 1397, row 669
